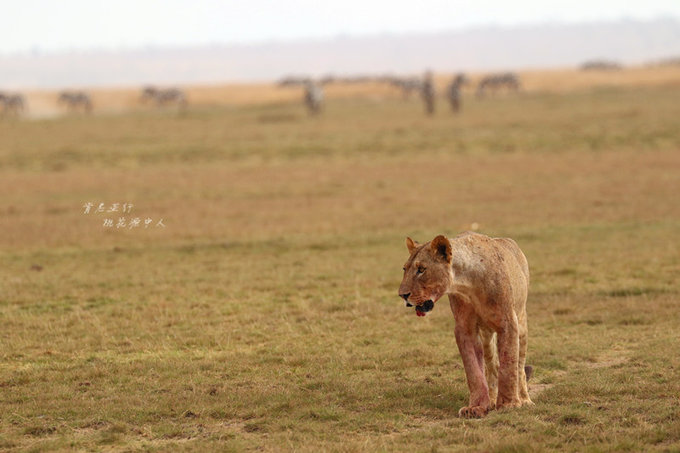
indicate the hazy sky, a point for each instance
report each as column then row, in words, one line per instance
column 48, row 25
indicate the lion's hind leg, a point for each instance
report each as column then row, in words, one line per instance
column 522, row 384
column 490, row 363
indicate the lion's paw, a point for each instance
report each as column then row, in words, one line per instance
column 472, row 412
column 508, row 404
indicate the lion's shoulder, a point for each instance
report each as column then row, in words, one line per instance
column 488, row 254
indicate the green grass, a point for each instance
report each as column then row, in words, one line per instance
column 265, row 315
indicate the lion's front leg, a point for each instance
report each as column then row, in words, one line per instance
column 508, row 355
column 472, row 353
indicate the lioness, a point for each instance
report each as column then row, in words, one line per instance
column 487, row 281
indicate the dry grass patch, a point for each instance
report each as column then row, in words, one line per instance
column 264, row 316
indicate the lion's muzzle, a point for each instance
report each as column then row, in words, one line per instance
column 426, row 306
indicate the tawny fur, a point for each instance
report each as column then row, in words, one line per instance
column 487, row 282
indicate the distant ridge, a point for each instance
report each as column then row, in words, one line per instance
column 480, row 49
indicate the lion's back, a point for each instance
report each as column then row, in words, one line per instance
column 511, row 246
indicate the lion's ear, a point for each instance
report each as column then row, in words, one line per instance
column 411, row 245
column 442, row 248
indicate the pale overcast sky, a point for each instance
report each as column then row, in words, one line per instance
column 48, row 25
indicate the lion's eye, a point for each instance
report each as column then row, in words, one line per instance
column 421, row 270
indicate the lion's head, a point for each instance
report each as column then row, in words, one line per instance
column 427, row 273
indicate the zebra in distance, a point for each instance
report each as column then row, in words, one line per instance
column 407, row 86
column 3, row 103
column 73, row 100
column 12, row 104
column 427, row 92
column 495, row 82
column 290, row 81
column 454, row 91
column 162, row 97
column 601, row 65
column 313, row 97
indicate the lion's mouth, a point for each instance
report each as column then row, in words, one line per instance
column 423, row 308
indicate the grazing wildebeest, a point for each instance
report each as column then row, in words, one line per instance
column 12, row 104
column 162, row 97
column 427, row 92
column 493, row 83
column 313, row 97
column 454, row 91
column 73, row 100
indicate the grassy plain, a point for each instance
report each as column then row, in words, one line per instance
column 264, row 315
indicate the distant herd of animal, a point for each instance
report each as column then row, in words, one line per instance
column 14, row 104
column 490, row 84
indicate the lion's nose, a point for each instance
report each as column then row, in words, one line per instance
column 405, row 296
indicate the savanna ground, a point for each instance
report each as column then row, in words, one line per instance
column 264, row 315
